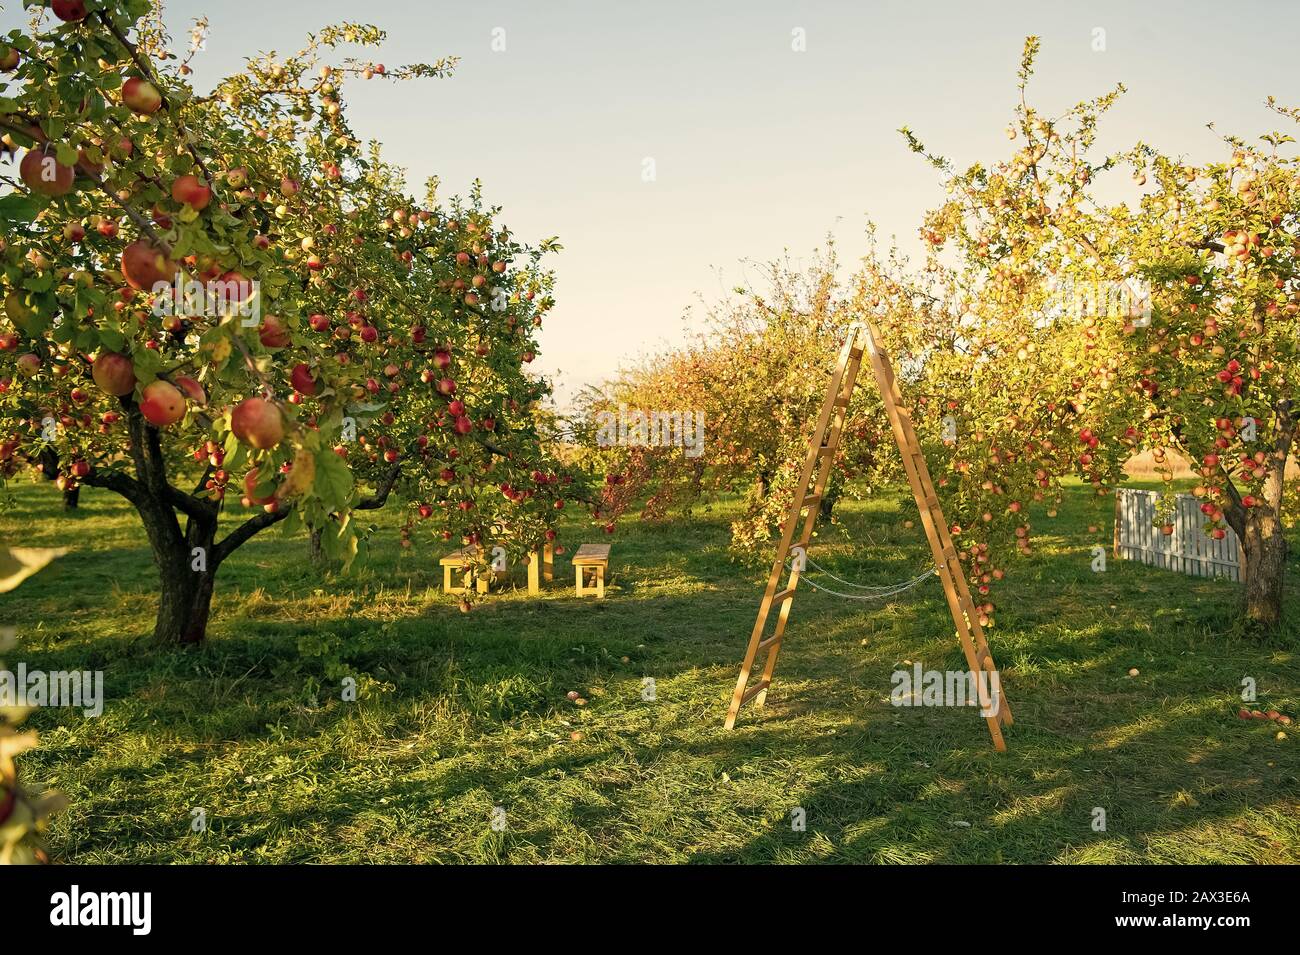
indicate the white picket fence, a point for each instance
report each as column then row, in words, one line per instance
column 1188, row 550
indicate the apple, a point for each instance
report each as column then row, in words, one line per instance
column 289, row 187
column 162, row 403
column 464, row 425
column 442, row 358
column 144, row 265
column 114, row 374
column 141, row 96
column 233, row 288
column 191, row 389
column 237, row 178
column 302, row 380
column 456, row 408
column 258, row 423
column 274, row 333
column 9, row 59
column 29, row 364
column 43, row 173
column 74, row 232
column 446, row 386
column 250, row 483
column 319, row 323
column 193, row 192
column 69, row 11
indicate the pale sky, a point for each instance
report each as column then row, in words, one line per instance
column 757, row 148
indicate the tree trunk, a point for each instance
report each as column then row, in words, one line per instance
column 71, row 498
column 187, row 569
column 1263, row 540
column 184, row 606
column 317, row 552
column 1265, row 548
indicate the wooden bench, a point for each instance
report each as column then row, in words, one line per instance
column 593, row 557
column 458, row 560
column 541, row 564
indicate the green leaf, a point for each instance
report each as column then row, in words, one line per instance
column 112, row 339
column 147, row 365
column 17, row 208
column 333, row 482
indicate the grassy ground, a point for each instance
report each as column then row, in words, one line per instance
column 475, row 715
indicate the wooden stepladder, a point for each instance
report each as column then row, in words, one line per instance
column 824, row 442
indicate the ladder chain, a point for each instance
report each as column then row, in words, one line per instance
column 872, row 588
column 883, row 595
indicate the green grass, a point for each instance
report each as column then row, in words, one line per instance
column 475, row 714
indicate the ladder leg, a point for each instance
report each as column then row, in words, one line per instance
column 823, row 443
column 975, row 648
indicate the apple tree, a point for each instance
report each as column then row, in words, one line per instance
column 224, row 301
column 1056, row 329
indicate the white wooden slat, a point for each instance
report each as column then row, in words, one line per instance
column 1188, row 550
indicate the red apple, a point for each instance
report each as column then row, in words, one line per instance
column 29, row 364
column 191, row 389
column 258, row 423
column 9, row 59
column 274, row 333
column 446, row 386
column 302, row 380
column 69, row 11
column 162, row 403
column 43, row 173
column 144, row 266
column 319, row 323
column 250, row 482
column 464, row 425
column 114, row 373
column 141, row 96
column 193, row 192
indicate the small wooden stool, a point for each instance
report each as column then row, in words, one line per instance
column 541, row 564
column 455, row 561
column 596, row 558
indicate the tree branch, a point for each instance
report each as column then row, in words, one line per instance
column 382, row 491
column 117, row 482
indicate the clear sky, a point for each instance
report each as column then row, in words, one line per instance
column 757, row 148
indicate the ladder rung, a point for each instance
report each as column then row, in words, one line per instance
column 783, row 596
column 843, row 402
column 855, row 352
column 812, row 500
column 769, row 642
column 754, row 690
column 825, row 449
